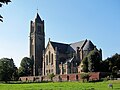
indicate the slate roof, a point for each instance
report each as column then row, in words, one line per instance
column 73, row 46
column 61, row 47
column 65, row 48
column 88, row 45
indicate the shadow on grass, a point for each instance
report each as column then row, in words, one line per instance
column 26, row 82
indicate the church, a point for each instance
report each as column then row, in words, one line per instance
column 57, row 58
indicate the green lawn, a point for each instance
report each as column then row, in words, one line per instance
column 62, row 86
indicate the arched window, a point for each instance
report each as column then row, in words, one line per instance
column 52, row 59
column 49, row 56
column 46, row 59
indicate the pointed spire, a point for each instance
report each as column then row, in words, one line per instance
column 38, row 17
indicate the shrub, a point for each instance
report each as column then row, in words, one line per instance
column 51, row 76
column 85, row 76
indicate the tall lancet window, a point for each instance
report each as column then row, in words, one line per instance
column 46, row 59
column 49, row 57
column 52, row 59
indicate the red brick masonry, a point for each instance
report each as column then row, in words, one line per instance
column 64, row 77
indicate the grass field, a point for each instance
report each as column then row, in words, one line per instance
column 62, row 86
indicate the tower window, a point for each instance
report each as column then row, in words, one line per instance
column 39, row 29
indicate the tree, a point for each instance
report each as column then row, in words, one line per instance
column 105, row 63
column 114, row 71
column 115, row 60
column 1, row 3
column 85, row 65
column 26, row 67
column 110, row 62
column 15, row 74
column 94, row 60
column 7, row 69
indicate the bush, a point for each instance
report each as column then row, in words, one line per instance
column 51, row 76
column 85, row 76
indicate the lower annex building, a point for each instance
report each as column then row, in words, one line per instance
column 57, row 58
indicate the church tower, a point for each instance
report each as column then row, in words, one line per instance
column 37, row 44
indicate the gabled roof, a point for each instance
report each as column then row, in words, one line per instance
column 73, row 46
column 88, row 45
column 61, row 47
column 65, row 48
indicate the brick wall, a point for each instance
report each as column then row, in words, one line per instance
column 73, row 77
column 64, row 77
column 94, row 76
column 29, row 78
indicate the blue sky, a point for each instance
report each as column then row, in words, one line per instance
column 65, row 21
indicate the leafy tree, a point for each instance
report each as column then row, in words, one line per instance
column 94, row 60
column 85, row 65
column 1, row 3
column 115, row 60
column 26, row 67
column 15, row 74
column 7, row 69
column 114, row 71
column 105, row 63
column 111, row 62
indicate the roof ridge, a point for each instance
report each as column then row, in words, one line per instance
column 79, row 41
column 59, row 43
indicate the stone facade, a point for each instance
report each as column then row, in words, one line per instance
column 49, row 60
column 60, row 58
column 37, row 44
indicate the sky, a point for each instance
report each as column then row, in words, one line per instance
column 66, row 21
